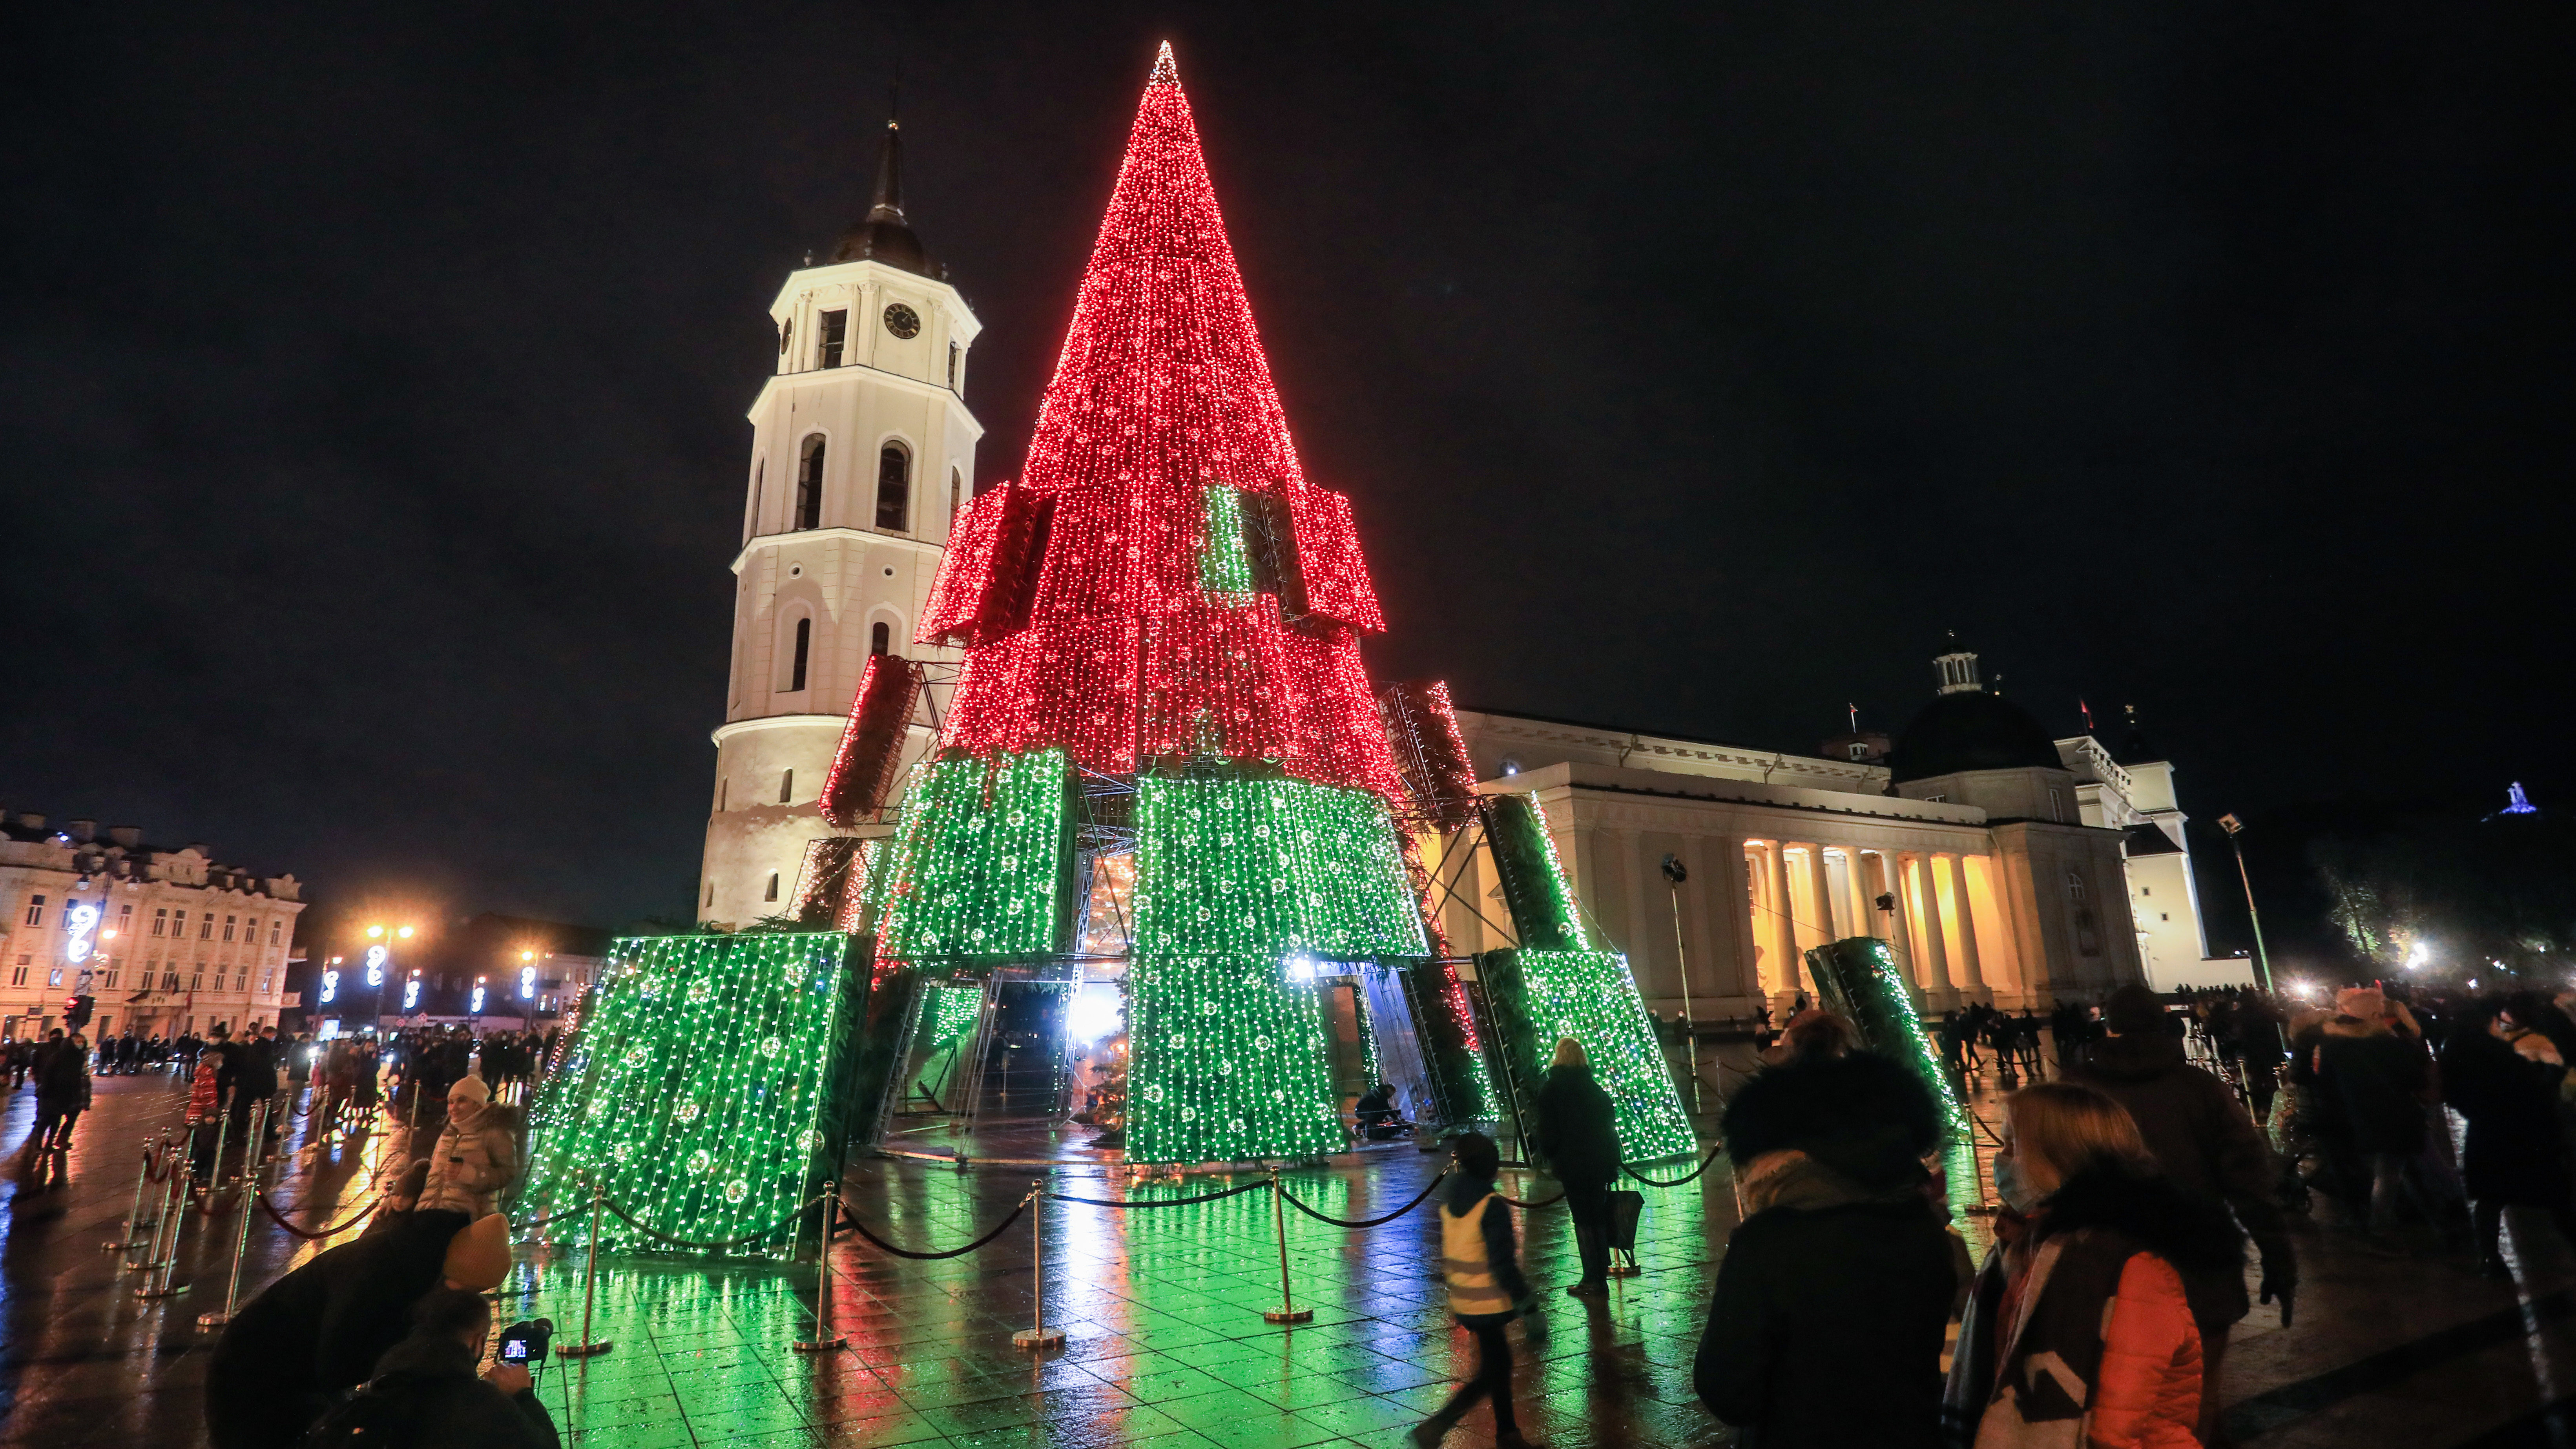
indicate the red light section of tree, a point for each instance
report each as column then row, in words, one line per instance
column 1162, row 392
column 864, row 770
column 985, row 581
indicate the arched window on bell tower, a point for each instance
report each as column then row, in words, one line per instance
column 956, row 495
column 880, row 637
column 804, row 651
column 809, row 483
column 894, row 488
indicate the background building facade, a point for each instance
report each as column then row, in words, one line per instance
column 163, row 940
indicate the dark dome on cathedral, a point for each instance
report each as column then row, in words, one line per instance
column 884, row 235
column 1970, row 730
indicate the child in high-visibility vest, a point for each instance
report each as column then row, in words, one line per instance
column 1479, row 1258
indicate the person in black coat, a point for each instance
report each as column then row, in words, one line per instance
column 319, row 1330
column 426, row 1395
column 2515, row 1155
column 1578, row 1134
column 1836, row 1288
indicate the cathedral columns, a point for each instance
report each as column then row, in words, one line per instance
column 1784, row 926
column 1820, row 895
column 1927, row 899
column 1736, row 910
column 1972, row 975
column 1900, row 931
column 1856, row 890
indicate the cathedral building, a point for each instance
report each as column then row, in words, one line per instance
column 2002, row 865
column 862, row 452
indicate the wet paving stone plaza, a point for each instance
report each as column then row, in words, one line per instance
column 1162, row 1313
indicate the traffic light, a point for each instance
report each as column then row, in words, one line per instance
column 76, row 1012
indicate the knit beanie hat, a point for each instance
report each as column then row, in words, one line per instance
column 478, row 1257
column 469, row 1088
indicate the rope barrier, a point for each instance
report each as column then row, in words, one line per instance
column 1419, row 1200
column 1111, row 1202
column 862, row 1230
column 280, row 1219
column 1542, row 1202
column 745, row 1241
column 1678, row 1181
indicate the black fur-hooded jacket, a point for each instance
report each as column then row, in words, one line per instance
column 1864, row 1115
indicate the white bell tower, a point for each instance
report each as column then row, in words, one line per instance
column 862, row 451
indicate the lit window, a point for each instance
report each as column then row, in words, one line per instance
column 35, row 910
column 54, row 977
column 894, row 488
column 267, row 982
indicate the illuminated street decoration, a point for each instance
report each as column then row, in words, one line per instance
column 80, row 922
column 477, row 1007
column 411, row 994
column 527, row 981
column 376, row 955
column 704, row 1087
column 1857, row 979
column 330, row 984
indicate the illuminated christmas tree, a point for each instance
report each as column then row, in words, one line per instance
column 1161, row 620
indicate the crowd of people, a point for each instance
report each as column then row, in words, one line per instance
column 2179, row 1137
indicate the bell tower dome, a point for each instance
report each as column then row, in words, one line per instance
column 862, row 451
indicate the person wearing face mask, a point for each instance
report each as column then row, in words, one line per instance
column 2078, row 1334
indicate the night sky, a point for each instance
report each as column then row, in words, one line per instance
column 371, row 404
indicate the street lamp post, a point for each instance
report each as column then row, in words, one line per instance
column 380, row 953
column 1674, row 874
column 2234, row 828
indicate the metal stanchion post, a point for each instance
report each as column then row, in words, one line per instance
column 589, row 1347
column 824, row 1339
column 1038, row 1337
column 134, row 1214
column 241, row 1236
column 1287, row 1311
column 223, row 1125
column 251, row 1164
column 165, row 1237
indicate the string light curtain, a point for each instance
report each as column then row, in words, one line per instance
column 704, row 1090
column 977, row 865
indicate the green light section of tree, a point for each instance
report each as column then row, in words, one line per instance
column 1227, row 1063
column 1233, row 866
column 1858, row 980
column 951, row 1016
column 1540, row 996
column 977, row 863
column 1545, row 915
column 1225, row 565
column 702, row 1092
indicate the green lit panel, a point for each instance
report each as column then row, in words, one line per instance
column 1541, row 996
column 1225, row 565
column 1227, row 1063
column 1858, row 981
column 1234, row 866
column 1545, row 915
column 977, row 866
column 704, row 1091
